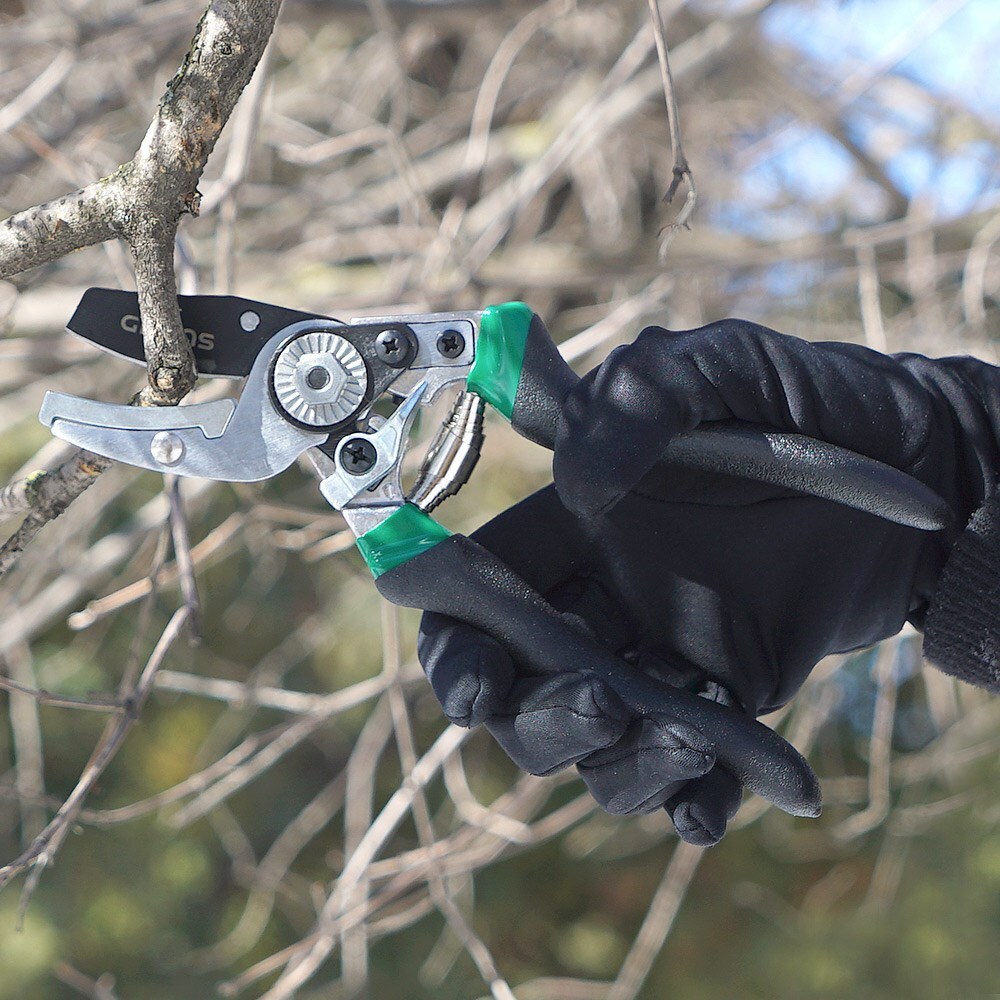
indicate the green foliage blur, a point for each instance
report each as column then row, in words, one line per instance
column 780, row 909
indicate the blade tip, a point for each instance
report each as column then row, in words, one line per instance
column 47, row 414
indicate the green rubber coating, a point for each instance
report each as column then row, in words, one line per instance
column 503, row 333
column 400, row 537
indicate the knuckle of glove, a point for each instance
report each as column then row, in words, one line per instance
column 600, row 448
column 469, row 673
column 550, row 723
column 646, row 767
column 627, row 798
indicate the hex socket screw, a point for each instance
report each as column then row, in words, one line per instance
column 451, row 344
column 357, row 456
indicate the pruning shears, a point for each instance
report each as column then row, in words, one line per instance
column 311, row 387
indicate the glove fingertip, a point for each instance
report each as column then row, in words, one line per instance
column 471, row 675
column 702, row 809
column 697, row 826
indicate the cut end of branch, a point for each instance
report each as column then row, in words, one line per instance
column 680, row 172
column 192, row 203
column 172, row 382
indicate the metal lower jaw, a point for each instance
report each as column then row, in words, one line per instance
column 367, row 501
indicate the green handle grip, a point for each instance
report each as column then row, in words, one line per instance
column 500, row 346
column 401, row 536
column 519, row 371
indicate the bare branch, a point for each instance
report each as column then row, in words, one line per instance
column 43, row 697
column 440, row 893
column 306, row 957
column 880, row 749
column 56, row 228
column 46, row 845
column 43, row 85
column 868, row 296
column 203, row 554
column 102, row 988
column 182, row 553
column 143, row 202
column 659, row 919
column 26, row 731
column 49, row 494
column 681, row 169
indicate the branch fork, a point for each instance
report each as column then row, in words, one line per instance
column 142, row 202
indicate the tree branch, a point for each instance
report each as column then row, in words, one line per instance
column 56, row 228
column 142, row 202
column 46, row 845
column 45, row 495
column 681, row 169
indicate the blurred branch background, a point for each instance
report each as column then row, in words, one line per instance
column 288, row 815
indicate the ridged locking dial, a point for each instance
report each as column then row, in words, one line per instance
column 319, row 379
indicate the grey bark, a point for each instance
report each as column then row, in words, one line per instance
column 143, row 202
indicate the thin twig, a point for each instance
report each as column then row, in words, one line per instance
column 45, row 846
column 868, row 295
column 202, row 554
column 184, row 561
column 239, row 694
column 26, row 731
column 102, row 988
column 681, row 170
column 659, row 920
column 305, row 959
column 45, row 496
column 440, row 893
column 92, row 703
column 880, row 749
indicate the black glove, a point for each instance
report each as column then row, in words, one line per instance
column 729, row 588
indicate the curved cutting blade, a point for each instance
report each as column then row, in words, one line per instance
column 237, row 443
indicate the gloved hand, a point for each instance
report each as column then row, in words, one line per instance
column 706, row 581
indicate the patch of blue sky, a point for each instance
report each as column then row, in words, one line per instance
column 787, row 279
column 813, row 169
column 912, row 169
column 955, row 183
column 955, row 58
column 953, row 180
column 790, row 282
column 960, row 183
column 814, row 165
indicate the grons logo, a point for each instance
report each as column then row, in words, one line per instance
column 205, row 341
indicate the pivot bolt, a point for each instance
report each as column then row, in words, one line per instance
column 358, row 456
column 317, row 378
column 394, row 348
column 249, row 321
column 450, row 344
column 167, row 448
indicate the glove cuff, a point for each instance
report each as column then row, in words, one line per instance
column 962, row 628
